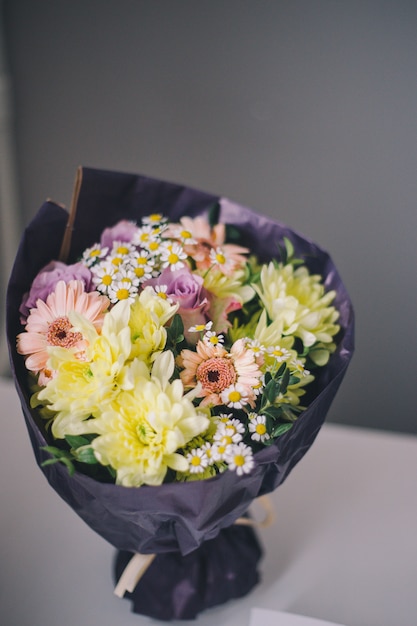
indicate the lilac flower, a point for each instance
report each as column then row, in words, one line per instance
column 122, row 231
column 186, row 289
column 47, row 279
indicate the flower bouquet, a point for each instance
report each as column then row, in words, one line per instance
column 175, row 355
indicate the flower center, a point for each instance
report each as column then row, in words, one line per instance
column 216, row 374
column 60, row 333
column 239, row 460
column 122, row 293
column 234, row 396
column 173, row 258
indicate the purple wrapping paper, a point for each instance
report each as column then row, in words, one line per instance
column 177, row 516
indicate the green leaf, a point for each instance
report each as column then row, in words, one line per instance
column 111, row 471
column 274, row 412
column 177, row 326
column 86, row 455
column 288, row 414
column 232, row 234
column 60, row 456
column 271, row 391
column 289, row 248
column 280, row 430
column 284, row 381
column 76, row 441
column 213, row 214
column 56, row 452
column 50, row 462
column 69, row 465
column 281, row 370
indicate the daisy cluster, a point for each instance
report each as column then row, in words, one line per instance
column 168, row 353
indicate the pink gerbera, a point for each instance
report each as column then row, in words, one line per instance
column 205, row 239
column 48, row 324
column 215, row 369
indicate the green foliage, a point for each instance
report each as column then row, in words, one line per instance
column 281, row 429
column 59, row 456
column 213, row 214
column 175, row 334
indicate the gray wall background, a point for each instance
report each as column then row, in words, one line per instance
column 304, row 110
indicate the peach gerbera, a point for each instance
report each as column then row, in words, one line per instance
column 48, row 324
column 207, row 239
column 215, row 369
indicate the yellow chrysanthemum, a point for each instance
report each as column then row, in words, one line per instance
column 224, row 287
column 299, row 302
column 270, row 335
column 140, row 432
column 149, row 314
column 80, row 389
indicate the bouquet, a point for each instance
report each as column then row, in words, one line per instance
column 175, row 357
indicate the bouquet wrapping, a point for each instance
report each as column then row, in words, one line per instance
column 203, row 557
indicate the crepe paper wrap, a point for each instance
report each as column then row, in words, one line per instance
column 180, row 587
column 174, row 519
column 236, row 575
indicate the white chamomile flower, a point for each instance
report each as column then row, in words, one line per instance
column 219, row 258
column 184, row 235
column 258, row 389
column 103, row 275
column 236, row 396
column 154, row 219
column 120, row 290
column 142, row 267
column 229, row 432
column 161, row 292
column 93, row 254
column 257, row 426
column 144, row 236
column 142, row 257
column 117, row 260
column 239, row 457
column 213, row 338
column 256, row 346
column 127, row 276
column 223, row 418
column 218, row 451
column 173, row 256
column 278, row 353
column 207, row 448
column 122, row 248
column 236, row 425
column 155, row 247
column 197, row 460
column 298, row 366
column 200, row 328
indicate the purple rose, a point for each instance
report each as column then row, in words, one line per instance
column 122, row 231
column 186, row 289
column 46, row 280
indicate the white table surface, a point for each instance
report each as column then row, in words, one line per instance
column 343, row 548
